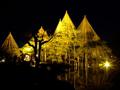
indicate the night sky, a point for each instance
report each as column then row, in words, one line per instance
column 21, row 17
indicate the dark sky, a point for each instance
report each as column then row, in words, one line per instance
column 21, row 17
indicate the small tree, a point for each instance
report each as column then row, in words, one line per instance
column 39, row 40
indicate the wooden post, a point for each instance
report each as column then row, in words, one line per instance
column 86, row 69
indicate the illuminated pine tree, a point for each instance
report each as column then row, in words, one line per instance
column 67, row 23
column 10, row 47
column 71, row 32
column 59, row 43
column 34, row 46
column 62, row 40
column 92, row 50
column 90, row 42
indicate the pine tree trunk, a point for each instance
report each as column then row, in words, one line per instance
column 39, row 53
column 35, row 51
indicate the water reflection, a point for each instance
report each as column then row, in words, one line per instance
column 83, row 78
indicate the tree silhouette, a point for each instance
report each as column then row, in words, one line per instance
column 39, row 40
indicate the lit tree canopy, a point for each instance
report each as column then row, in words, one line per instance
column 67, row 22
column 69, row 41
column 10, row 47
column 41, row 35
column 63, row 37
column 86, row 33
column 91, row 44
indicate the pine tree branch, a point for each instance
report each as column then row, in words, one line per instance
column 31, row 44
column 47, row 41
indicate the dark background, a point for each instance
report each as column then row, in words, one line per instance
column 21, row 17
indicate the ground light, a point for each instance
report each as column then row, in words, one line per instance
column 27, row 58
column 107, row 64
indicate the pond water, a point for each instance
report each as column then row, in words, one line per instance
column 86, row 79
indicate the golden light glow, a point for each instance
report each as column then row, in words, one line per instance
column 26, row 49
column 27, row 58
column 100, row 65
column 107, row 64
